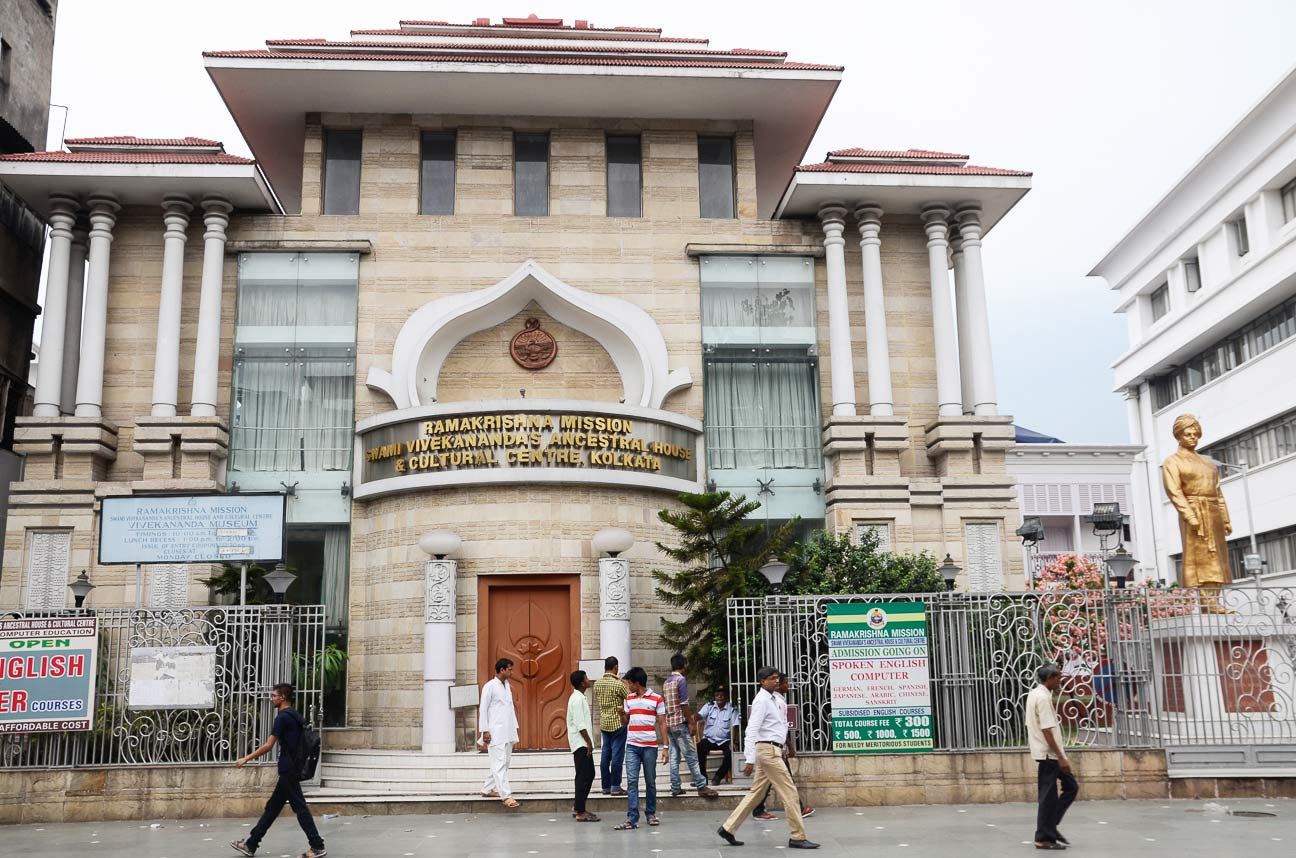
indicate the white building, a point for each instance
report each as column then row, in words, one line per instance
column 1207, row 281
column 1059, row 483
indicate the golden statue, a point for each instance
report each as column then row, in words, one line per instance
column 1192, row 484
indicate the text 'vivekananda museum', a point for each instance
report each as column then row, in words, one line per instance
column 518, row 281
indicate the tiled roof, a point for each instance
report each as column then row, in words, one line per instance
column 131, row 140
column 594, row 48
column 128, row 158
column 919, row 169
column 623, row 35
column 496, row 59
column 894, row 153
column 532, row 21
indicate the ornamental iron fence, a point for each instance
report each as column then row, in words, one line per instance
column 1175, row 668
column 255, row 647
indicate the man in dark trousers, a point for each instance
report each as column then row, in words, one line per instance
column 580, row 729
column 1042, row 730
column 287, row 733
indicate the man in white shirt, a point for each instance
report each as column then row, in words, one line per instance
column 498, row 725
column 767, row 730
column 1045, row 736
column 580, row 738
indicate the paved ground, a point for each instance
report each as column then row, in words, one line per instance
column 1106, row 829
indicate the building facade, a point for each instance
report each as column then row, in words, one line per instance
column 521, row 281
column 1207, row 283
column 26, row 63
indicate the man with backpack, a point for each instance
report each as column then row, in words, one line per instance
column 298, row 752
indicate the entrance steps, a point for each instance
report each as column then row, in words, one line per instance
column 395, row 781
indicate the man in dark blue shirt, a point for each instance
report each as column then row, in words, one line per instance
column 287, row 733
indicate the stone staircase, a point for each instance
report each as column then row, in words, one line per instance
column 393, row 781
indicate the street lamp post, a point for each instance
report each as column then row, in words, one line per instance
column 280, row 579
column 950, row 571
column 81, row 588
column 1120, row 567
column 775, row 571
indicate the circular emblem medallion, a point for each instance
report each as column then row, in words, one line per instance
column 533, row 348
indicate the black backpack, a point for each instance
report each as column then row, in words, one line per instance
column 308, row 749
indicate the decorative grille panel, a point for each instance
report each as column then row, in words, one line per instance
column 168, row 586
column 984, row 559
column 881, row 528
column 48, row 557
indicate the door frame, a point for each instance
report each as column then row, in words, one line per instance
column 486, row 583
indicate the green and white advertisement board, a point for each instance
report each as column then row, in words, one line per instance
column 879, row 669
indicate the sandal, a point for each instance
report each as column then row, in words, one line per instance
column 511, row 802
column 241, row 847
column 588, row 817
column 625, row 826
column 491, row 794
column 653, row 820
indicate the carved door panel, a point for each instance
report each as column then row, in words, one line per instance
column 532, row 626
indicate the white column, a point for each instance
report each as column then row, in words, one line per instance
column 49, row 376
column 72, row 328
column 961, row 320
column 438, row 655
column 947, row 372
column 614, row 609
column 841, row 359
column 881, row 400
column 166, row 361
column 94, row 319
column 207, row 350
column 978, row 326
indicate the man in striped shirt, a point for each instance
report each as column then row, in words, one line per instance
column 645, row 718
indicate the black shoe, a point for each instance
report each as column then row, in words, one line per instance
column 727, row 837
column 677, row 792
column 802, row 844
column 1063, row 840
column 1048, row 844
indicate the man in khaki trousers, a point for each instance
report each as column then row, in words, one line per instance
column 763, row 750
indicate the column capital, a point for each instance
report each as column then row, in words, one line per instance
column 81, row 233
column 969, row 224
column 215, row 204
column 103, row 215
column 176, row 216
column 833, row 214
column 956, row 242
column 63, row 213
column 870, row 213
column 936, row 222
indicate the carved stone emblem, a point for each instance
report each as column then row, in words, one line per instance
column 533, row 348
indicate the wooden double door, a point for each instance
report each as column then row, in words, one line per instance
column 535, row 621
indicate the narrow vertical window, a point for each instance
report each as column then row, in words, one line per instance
column 342, row 172
column 624, row 177
column 1160, row 301
column 437, row 175
column 530, row 174
column 716, row 176
column 1289, row 202
column 1192, row 275
column 1241, row 238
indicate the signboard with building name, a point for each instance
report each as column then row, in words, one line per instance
column 47, row 674
column 880, row 673
column 542, row 443
column 172, row 677
column 192, row 529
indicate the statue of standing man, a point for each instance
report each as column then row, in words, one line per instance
column 1192, row 484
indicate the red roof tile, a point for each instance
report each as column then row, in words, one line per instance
column 324, row 43
column 919, row 169
column 128, row 158
column 532, row 23
column 496, row 59
column 132, row 140
column 612, row 35
column 893, row 153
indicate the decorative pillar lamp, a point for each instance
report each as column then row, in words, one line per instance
column 1120, row 567
column 614, row 593
column 439, row 639
column 775, row 571
column 950, row 570
column 279, row 579
column 81, row 588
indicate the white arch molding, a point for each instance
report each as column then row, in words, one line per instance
column 626, row 331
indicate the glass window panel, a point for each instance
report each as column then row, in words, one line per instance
column 437, row 178
column 624, row 177
column 1160, row 301
column 1289, row 201
column 761, row 414
column 342, row 172
column 1192, row 274
column 531, row 174
column 1241, row 240
column 716, row 176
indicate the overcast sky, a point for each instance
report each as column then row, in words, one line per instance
column 1108, row 104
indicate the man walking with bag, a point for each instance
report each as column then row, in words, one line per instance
column 1045, row 736
column 580, row 739
column 288, row 733
column 767, row 730
column 498, row 724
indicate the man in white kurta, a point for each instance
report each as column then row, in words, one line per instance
column 497, row 725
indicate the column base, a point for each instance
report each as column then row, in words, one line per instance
column 968, row 445
column 181, row 453
column 66, row 448
column 862, row 446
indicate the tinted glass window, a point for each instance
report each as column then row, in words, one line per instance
column 437, row 178
column 531, row 174
column 716, row 176
column 624, row 158
column 342, row 172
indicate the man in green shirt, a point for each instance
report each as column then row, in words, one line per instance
column 580, row 738
column 610, row 694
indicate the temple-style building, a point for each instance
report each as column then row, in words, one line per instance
column 520, row 281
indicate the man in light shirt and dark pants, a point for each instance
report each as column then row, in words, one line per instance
column 580, row 738
column 767, row 729
column 1045, row 735
column 497, row 721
